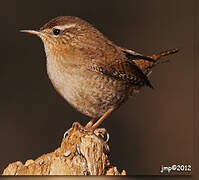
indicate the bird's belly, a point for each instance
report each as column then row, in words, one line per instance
column 91, row 93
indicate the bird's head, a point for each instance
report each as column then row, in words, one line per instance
column 64, row 32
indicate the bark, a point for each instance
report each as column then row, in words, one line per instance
column 81, row 153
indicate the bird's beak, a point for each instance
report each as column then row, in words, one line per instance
column 31, row 32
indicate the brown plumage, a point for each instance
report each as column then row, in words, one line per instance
column 91, row 72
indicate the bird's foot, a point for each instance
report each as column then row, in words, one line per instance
column 75, row 126
column 100, row 132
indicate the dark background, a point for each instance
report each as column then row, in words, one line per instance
column 153, row 129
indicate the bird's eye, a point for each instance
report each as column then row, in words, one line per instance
column 56, row 31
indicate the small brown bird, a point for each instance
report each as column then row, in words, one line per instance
column 88, row 70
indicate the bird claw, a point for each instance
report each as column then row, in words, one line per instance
column 74, row 127
column 102, row 132
column 66, row 133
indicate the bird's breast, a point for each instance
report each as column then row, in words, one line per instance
column 89, row 92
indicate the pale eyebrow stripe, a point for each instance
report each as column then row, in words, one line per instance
column 65, row 26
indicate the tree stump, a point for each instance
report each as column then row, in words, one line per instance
column 81, row 153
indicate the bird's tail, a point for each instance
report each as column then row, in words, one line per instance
column 156, row 57
column 146, row 66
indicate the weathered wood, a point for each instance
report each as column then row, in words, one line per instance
column 81, row 153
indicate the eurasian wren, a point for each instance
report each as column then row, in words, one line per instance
column 92, row 73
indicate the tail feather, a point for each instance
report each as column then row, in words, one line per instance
column 146, row 66
column 164, row 53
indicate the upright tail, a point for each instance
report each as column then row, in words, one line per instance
column 146, row 66
column 164, row 53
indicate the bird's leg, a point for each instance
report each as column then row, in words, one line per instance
column 90, row 126
column 90, row 123
column 100, row 120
